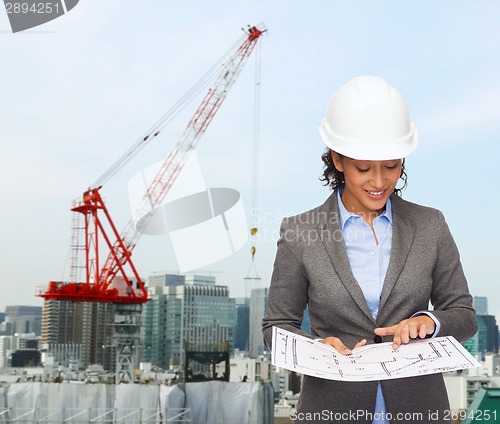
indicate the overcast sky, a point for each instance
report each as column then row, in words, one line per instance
column 77, row 92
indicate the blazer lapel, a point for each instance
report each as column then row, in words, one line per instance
column 331, row 236
column 402, row 239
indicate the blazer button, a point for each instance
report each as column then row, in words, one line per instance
column 377, row 339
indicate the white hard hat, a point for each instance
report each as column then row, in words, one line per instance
column 368, row 119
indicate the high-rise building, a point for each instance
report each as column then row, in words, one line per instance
column 185, row 310
column 242, row 326
column 492, row 343
column 480, row 304
column 6, row 329
column 85, row 324
column 162, row 280
column 5, row 349
column 154, row 328
column 24, row 319
column 486, row 338
column 258, row 305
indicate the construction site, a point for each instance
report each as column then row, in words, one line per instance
column 95, row 317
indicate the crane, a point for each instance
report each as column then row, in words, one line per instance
column 117, row 281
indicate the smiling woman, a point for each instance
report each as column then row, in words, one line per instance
column 367, row 184
column 373, row 283
column 335, row 178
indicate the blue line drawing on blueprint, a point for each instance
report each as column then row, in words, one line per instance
column 370, row 362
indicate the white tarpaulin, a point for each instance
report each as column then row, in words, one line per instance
column 212, row 402
column 172, row 403
column 51, row 402
column 216, row 402
column 3, row 410
column 134, row 403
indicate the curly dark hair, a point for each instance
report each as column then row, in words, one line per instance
column 333, row 178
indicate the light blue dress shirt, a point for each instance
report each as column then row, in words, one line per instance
column 369, row 262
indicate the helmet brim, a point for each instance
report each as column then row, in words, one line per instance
column 393, row 149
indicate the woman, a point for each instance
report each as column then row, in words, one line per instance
column 368, row 264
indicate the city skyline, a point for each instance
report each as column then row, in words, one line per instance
column 244, row 296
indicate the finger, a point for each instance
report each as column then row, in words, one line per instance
column 360, row 343
column 326, row 341
column 404, row 333
column 336, row 343
column 343, row 349
column 386, row 331
column 414, row 329
column 426, row 325
column 422, row 333
column 396, row 341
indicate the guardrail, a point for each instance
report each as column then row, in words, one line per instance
column 92, row 416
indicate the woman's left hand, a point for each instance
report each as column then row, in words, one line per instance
column 411, row 328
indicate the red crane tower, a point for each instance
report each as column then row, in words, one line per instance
column 118, row 280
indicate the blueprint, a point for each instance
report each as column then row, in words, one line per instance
column 370, row 362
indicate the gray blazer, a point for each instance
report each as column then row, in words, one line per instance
column 312, row 268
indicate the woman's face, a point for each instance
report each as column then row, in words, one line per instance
column 368, row 184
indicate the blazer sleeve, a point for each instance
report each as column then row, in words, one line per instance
column 450, row 295
column 287, row 297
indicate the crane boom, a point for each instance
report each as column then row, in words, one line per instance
column 101, row 286
column 175, row 161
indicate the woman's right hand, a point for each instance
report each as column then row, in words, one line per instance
column 341, row 347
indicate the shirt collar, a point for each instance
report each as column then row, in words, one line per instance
column 345, row 214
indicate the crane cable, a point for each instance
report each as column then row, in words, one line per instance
column 252, row 272
column 168, row 117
